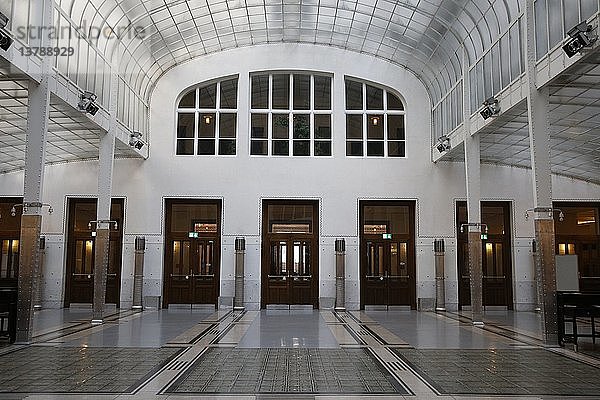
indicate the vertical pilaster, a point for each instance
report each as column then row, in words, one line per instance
column 440, row 288
column 105, row 175
column 138, row 273
column 539, row 146
column 340, row 274
column 473, row 182
column 35, row 158
column 240, row 251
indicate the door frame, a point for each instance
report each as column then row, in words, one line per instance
column 411, row 248
column 11, row 234
column 71, row 240
column 267, row 237
column 507, row 256
column 168, row 236
column 593, row 285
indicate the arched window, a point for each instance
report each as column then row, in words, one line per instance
column 207, row 119
column 374, row 121
column 290, row 115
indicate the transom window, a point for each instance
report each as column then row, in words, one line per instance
column 207, row 119
column 374, row 122
column 290, row 115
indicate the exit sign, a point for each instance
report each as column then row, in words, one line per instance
column 483, row 236
column 386, row 235
column 193, row 234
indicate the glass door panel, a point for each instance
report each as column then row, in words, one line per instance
column 206, row 258
column 84, row 260
column 301, row 260
column 375, row 260
column 278, row 260
column 9, row 262
column 399, row 260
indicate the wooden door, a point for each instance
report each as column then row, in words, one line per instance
column 387, row 254
column 579, row 234
column 496, row 255
column 192, row 252
column 81, row 252
column 290, row 253
column 10, row 233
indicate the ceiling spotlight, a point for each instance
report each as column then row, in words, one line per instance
column 207, row 119
column 375, row 121
column 3, row 21
column 5, row 40
column 443, row 144
column 491, row 107
column 580, row 36
column 87, row 103
column 135, row 140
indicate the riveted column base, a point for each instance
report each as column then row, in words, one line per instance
column 100, row 272
column 546, row 267
column 28, row 273
column 476, row 277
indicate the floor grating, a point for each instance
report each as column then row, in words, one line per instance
column 42, row 369
column 503, row 372
column 287, row 371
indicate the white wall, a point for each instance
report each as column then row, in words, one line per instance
column 337, row 182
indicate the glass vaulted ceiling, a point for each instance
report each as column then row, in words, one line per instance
column 426, row 36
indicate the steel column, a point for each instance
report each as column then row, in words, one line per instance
column 340, row 274
column 105, row 176
column 539, row 146
column 240, row 251
column 473, row 188
column 38, row 112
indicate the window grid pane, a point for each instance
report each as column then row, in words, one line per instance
column 289, row 125
column 373, row 134
column 202, row 128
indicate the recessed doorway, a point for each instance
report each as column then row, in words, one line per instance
column 290, row 253
column 192, row 252
column 79, row 288
column 387, row 253
column 496, row 255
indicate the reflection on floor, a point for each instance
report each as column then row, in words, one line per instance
column 171, row 354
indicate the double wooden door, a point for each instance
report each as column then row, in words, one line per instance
column 290, row 253
column 81, row 246
column 496, row 255
column 388, row 278
column 192, row 279
column 10, row 232
column 192, row 252
column 387, row 253
column 290, row 277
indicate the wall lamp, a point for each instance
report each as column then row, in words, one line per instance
column 580, row 36
column 135, row 140
column 13, row 210
column 491, row 107
column 5, row 40
column 103, row 221
column 443, row 144
column 549, row 210
column 87, row 103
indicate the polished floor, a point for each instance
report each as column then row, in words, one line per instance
column 302, row 354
